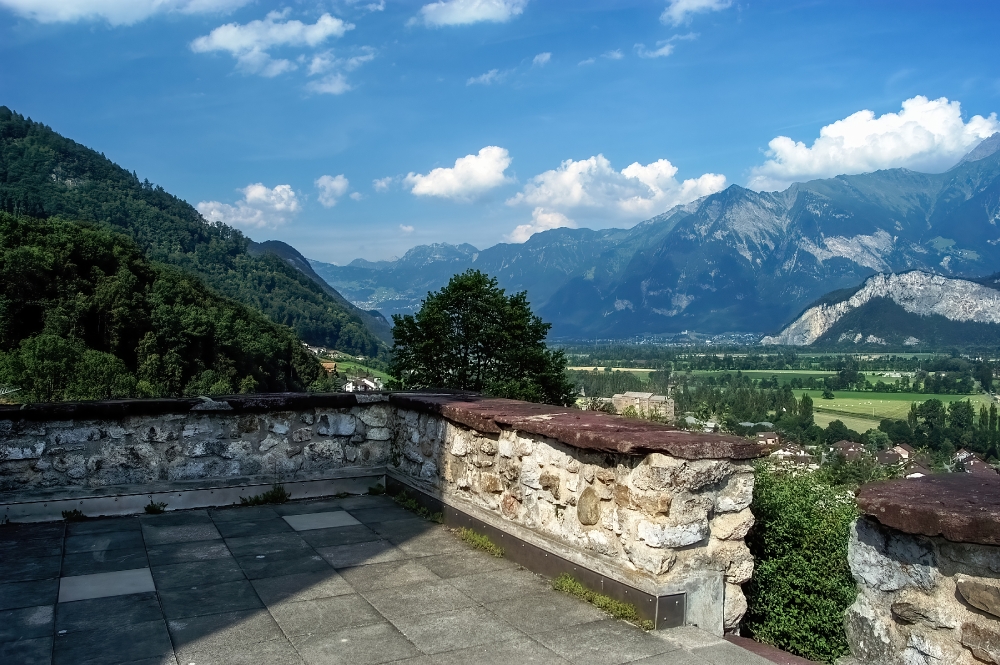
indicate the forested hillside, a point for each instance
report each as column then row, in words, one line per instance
column 84, row 315
column 44, row 175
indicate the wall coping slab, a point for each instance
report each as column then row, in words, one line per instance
column 960, row 507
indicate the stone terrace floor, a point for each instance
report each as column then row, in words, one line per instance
column 356, row 580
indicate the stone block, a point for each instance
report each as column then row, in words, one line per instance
column 869, row 633
column 302, row 434
column 491, row 482
column 733, row 607
column 984, row 643
column 661, row 472
column 928, row 616
column 551, row 482
column 488, row 447
column 656, row 561
column 736, row 495
column 650, row 503
column 379, row 434
column 732, row 526
column 889, row 560
column 270, row 442
column 335, row 424
column 588, row 507
column 672, row 535
column 982, row 596
column 279, row 428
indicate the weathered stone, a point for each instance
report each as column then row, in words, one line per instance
column 922, row 651
column 654, row 561
column 604, row 475
column 488, row 447
column 510, row 506
column 589, row 474
column 599, row 541
column 491, row 482
column 732, row 526
column 427, row 448
column 551, row 481
column 982, row 596
column 292, row 451
column 588, row 507
column 672, row 535
column 351, row 453
column 733, row 607
column 307, row 418
column 335, row 424
column 269, row 442
column 868, row 633
column 248, row 424
column 374, row 416
column 280, row 429
column 302, row 434
column 651, row 503
column 662, row 473
column 984, row 643
column 911, row 613
column 736, row 495
column 888, row 562
column 379, row 433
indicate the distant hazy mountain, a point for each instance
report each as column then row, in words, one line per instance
column 737, row 260
column 914, row 308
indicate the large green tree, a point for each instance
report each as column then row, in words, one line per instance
column 471, row 335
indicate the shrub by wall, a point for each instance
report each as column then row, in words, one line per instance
column 802, row 583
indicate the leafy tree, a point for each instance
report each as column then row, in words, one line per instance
column 828, row 394
column 806, row 410
column 470, row 335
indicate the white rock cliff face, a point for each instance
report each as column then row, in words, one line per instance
column 916, row 292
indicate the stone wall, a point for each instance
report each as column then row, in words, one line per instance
column 926, row 559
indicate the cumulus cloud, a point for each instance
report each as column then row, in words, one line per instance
column 471, row 175
column 249, row 43
column 680, row 11
column 406, row 228
column 331, row 188
column 541, row 59
column 260, row 207
column 463, row 12
column 588, row 61
column 634, row 192
column 926, row 135
column 614, row 55
column 541, row 220
column 115, row 12
column 489, row 78
column 664, row 47
column 382, row 184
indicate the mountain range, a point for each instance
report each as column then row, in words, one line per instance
column 734, row 261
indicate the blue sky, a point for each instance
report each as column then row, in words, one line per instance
column 361, row 129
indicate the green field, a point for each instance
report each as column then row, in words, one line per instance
column 641, row 374
column 867, row 409
column 353, row 367
column 784, row 375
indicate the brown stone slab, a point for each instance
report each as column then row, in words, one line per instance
column 961, row 507
column 587, row 430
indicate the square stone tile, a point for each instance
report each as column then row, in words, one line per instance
column 387, row 575
column 518, row 650
column 359, row 645
column 605, row 642
column 218, row 632
column 544, row 612
column 726, row 653
column 36, row 547
column 433, row 542
column 328, row 520
column 302, row 586
column 102, row 542
column 275, row 545
column 103, row 585
column 454, row 629
column 677, row 657
column 383, row 514
column 467, row 562
column 165, row 555
column 103, row 525
column 182, row 533
column 15, row 533
column 124, row 643
column 273, row 652
column 415, row 599
column 345, row 535
column 100, row 613
column 324, row 614
column 33, row 568
column 104, row 561
column 26, row 622
column 209, row 599
column 197, row 573
column 500, row 585
column 402, row 529
column 177, row 518
column 28, row 594
column 309, row 506
column 363, row 501
column 37, row 651
column 362, row 554
column 241, row 513
column 261, row 566
column 237, row 528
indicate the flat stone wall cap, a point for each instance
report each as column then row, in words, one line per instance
column 958, row 506
column 587, row 430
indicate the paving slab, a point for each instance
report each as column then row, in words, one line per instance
column 678, row 657
column 103, row 525
column 103, row 585
column 290, row 544
column 22, row 532
column 544, row 612
column 209, row 599
column 345, row 535
column 102, row 542
column 123, row 643
column 416, row 599
column 311, row 506
column 181, row 533
column 455, row 629
column 359, row 645
column 36, row 651
column 35, row 547
column 361, row 554
column 237, row 528
column 28, row 594
column 383, row 514
column 165, row 555
column 242, row 513
column 177, row 518
column 501, row 585
column 213, row 633
column 402, row 529
column 324, row 614
column 106, row 561
column 197, row 573
column 34, row 568
column 262, row 566
column 101, row 613
column 466, row 562
column 518, row 650
column 729, row 654
column 327, row 520
column 605, row 642
column 274, row 652
column 435, row 541
column 26, row 622
column 387, row 575
column 303, row 586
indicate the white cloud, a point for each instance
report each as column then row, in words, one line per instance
column 115, row 12
column 249, row 43
column 334, row 82
column 541, row 59
column 331, row 84
column 541, row 220
column 680, row 11
column 260, row 207
column 406, row 228
column 471, row 175
column 926, row 135
column 357, row 196
column 636, row 191
column 331, row 188
column 588, row 61
column 614, row 55
column 382, row 184
column 663, row 49
column 463, row 12
column 489, row 78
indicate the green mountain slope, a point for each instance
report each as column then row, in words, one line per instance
column 43, row 175
column 84, row 315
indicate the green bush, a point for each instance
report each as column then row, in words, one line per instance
column 802, row 583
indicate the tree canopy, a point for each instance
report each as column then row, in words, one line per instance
column 471, row 335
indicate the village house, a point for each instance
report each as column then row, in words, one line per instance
column 973, row 463
column 645, row 403
column 850, row 450
column 792, row 453
column 768, row 438
column 360, row 385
